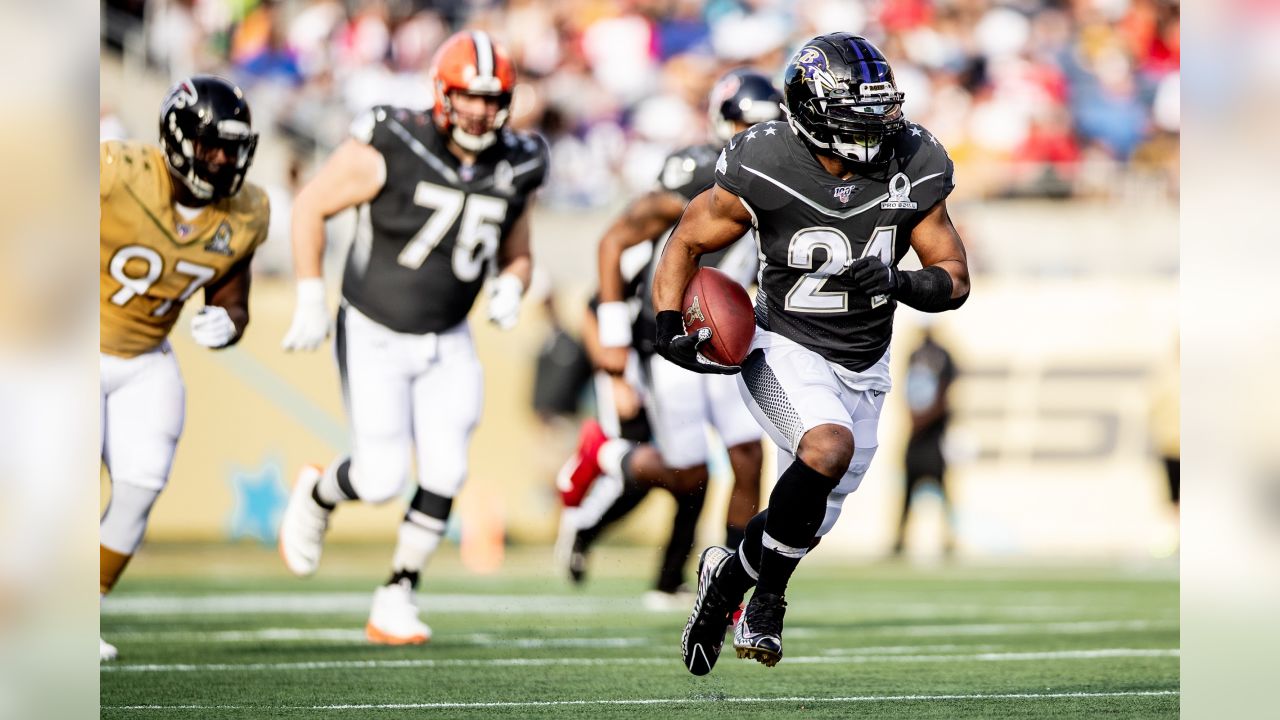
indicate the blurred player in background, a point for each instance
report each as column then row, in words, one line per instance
column 174, row 219
column 837, row 195
column 680, row 404
column 443, row 199
column 930, row 372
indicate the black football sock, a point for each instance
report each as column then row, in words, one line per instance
column 683, row 526
column 797, row 505
column 733, row 536
column 735, row 578
column 334, row 486
column 632, row 494
column 419, row 535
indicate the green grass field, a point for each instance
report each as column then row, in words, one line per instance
column 224, row 632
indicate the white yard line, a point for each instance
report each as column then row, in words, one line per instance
column 545, row 662
column 355, row 635
column 352, row 635
column 1074, row 627
column 358, row 602
column 674, row 701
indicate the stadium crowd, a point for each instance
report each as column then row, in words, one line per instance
column 1049, row 98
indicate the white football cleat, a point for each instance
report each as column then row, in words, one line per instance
column 394, row 618
column 106, row 651
column 303, row 526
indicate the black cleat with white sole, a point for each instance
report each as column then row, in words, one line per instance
column 712, row 615
column 759, row 632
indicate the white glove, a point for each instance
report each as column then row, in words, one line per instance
column 504, row 301
column 310, row 317
column 212, row 327
column 614, row 319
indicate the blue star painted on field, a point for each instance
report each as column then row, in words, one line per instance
column 260, row 498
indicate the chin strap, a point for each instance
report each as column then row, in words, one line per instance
column 198, row 188
column 474, row 143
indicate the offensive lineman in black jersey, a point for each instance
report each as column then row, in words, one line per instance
column 443, row 201
column 837, row 195
column 679, row 403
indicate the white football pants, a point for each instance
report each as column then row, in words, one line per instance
column 402, row 389
column 682, row 403
column 143, row 406
column 791, row 390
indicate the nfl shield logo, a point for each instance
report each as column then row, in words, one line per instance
column 844, row 192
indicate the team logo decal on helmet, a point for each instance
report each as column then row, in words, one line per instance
column 814, row 63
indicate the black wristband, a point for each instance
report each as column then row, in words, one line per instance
column 670, row 324
column 927, row 290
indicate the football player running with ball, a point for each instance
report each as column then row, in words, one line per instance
column 174, row 219
column 837, row 195
column 679, row 403
column 443, row 198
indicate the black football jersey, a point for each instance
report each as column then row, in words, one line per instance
column 425, row 245
column 812, row 226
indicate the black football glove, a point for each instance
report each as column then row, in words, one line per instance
column 873, row 277
column 672, row 344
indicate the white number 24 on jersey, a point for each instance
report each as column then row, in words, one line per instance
column 477, row 237
column 807, row 295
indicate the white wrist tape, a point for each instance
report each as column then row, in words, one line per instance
column 310, row 290
column 508, row 284
column 614, row 319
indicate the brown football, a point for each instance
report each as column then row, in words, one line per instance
column 717, row 301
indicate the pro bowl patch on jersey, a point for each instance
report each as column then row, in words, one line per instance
column 221, row 242
column 504, row 178
column 899, row 194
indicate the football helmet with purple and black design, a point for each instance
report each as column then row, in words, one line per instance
column 841, row 98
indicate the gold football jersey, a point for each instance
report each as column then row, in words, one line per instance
column 153, row 259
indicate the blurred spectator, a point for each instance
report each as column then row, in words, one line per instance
column 260, row 51
column 275, row 257
column 1035, row 97
column 175, row 41
column 929, row 376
